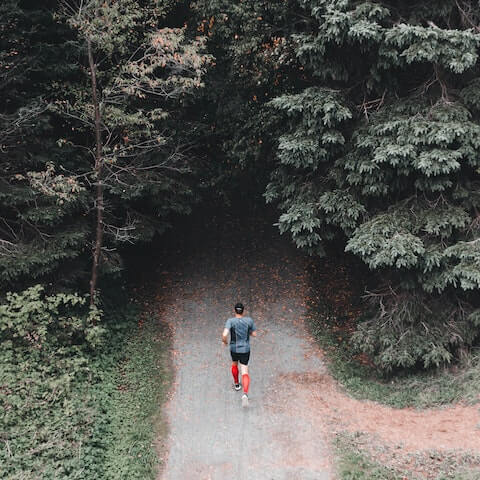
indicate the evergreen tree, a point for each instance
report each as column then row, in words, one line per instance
column 383, row 152
column 42, row 229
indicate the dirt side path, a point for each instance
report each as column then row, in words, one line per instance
column 211, row 436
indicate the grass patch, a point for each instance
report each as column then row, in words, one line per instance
column 360, row 458
column 353, row 464
column 142, row 381
column 332, row 315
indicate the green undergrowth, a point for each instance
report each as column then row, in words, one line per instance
column 353, row 464
column 142, row 384
column 360, row 458
column 332, row 327
column 76, row 407
column 421, row 389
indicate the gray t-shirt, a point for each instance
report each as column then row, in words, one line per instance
column 240, row 328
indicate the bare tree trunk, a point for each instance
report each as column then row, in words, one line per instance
column 99, row 205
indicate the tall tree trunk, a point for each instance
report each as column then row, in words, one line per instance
column 99, row 205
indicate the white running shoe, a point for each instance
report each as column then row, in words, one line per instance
column 237, row 386
column 245, row 400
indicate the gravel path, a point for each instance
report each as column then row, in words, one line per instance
column 211, row 436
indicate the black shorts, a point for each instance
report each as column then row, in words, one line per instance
column 240, row 357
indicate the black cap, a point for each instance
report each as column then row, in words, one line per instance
column 239, row 308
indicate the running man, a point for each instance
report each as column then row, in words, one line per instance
column 240, row 329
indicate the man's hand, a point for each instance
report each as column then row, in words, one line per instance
column 225, row 333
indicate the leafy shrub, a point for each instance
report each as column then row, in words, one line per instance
column 412, row 328
column 44, row 357
column 80, row 388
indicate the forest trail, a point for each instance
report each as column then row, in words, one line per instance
column 295, row 406
column 211, row 435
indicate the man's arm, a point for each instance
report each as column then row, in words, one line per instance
column 225, row 333
column 253, row 329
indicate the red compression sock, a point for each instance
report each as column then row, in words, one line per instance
column 235, row 372
column 245, row 382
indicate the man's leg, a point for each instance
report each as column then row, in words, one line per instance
column 245, row 383
column 235, row 372
column 245, row 377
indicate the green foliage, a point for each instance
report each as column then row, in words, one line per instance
column 408, row 148
column 354, row 464
column 305, row 153
column 464, row 270
column 395, row 178
column 147, row 71
column 39, row 322
column 42, row 207
column 406, row 44
column 137, row 425
column 384, row 241
column 410, row 328
column 361, row 457
column 80, row 388
column 46, row 344
column 419, row 389
column 252, row 65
